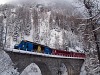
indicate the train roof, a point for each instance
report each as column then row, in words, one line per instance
column 35, row 43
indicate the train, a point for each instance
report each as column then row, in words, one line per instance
column 35, row 47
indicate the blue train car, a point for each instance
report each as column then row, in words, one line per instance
column 16, row 46
column 30, row 46
column 47, row 50
column 21, row 46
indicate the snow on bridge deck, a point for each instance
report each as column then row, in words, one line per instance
column 40, row 54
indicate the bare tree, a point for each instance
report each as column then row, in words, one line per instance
column 89, row 5
column 1, row 32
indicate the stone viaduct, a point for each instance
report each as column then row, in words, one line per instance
column 47, row 65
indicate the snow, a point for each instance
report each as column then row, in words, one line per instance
column 43, row 33
column 29, row 38
column 32, row 69
column 71, row 50
column 82, row 24
column 79, row 49
column 10, row 42
column 56, row 37
column 97, row 29
column 63, row 69
column 13, row 10
column 1, row 14
column 83, row 71
column 6, row 65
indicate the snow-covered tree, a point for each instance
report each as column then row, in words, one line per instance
column 90, row 36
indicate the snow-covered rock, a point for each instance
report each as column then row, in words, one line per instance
column 6, row 65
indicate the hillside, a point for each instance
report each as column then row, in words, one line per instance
column 56, row 24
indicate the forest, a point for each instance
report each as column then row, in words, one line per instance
column 64, row 25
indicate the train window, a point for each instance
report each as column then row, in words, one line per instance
column 55, row 51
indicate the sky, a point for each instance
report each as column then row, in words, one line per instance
column 5, row 1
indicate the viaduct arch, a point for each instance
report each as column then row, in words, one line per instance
column 47, row 65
